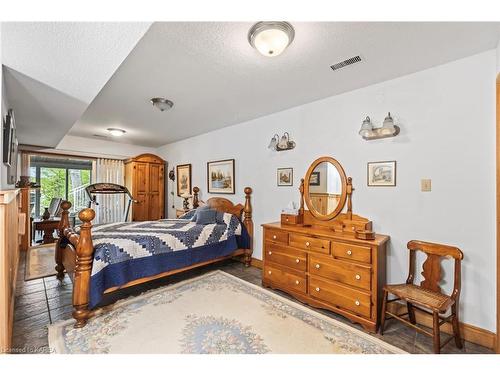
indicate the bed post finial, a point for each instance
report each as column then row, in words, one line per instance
column 83, row 269
column 63, row 224
column 196, row 202
column 247, row 220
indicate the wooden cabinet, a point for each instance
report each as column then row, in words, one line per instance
column 326, row 269
column 145, row 179
column 10, row 202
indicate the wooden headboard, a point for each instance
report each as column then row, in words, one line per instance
column 243, row 211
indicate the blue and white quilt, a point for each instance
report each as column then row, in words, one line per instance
column 131, row 250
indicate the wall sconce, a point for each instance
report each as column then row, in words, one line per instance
column 281, row 144
column 388, row 129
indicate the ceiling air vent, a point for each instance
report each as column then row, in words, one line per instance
column 100, row 136
column 343, row 64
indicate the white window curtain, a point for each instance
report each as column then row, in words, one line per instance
column 110, row 206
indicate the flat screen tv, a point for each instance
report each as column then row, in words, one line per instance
column 9, row 139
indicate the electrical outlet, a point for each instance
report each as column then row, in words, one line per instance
column 425, row 184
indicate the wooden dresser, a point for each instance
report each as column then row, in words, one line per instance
column 145, row 179
column 325, row 269
column 322, row 260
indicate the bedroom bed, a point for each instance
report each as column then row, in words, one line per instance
column 108, row 257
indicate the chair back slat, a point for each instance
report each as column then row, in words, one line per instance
column 431, row 268
column 431, row 273
column 435, row 248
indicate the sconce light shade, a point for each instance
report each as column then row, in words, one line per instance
column 366, row 127
column 274, row 142
column 388, row 126
column 281, row 144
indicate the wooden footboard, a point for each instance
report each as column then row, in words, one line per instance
column 75, row 251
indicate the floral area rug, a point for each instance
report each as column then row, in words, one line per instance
column 216, row 313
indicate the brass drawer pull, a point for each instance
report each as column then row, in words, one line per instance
column 317, row 266
column 349, row 252
column 317, row 289
column 307, row 243
column 286, row 219
column 270, row 253
column 358, row 277
column 297, row 282
column 269, row 272
column 274, row 237
column 357, row 303
column 297, row 260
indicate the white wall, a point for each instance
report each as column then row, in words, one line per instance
column 447, row 117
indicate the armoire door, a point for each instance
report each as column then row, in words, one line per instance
column 156, row 187
column 141, row 209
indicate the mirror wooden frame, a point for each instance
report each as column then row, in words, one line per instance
column 343, row 196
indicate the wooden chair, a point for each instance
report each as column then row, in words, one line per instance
column 427, row 296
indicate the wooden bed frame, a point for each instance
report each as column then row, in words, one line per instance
column 75, row 256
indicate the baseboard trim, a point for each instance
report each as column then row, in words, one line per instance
column 469, row 332
column 257, row 263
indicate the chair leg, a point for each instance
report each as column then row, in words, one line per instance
column 382, row 318
column 411, row 313
column 436, row 333
column 456, row 327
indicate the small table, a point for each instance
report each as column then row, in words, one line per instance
column 47, row 227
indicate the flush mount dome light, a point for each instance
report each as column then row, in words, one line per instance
column 162, row 104
column 271, row 38
column 115, row 132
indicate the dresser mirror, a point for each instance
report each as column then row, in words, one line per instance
column 325, row 188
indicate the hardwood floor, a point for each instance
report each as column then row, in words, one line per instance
column 43, row 301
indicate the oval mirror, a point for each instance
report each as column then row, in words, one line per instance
column 325, row 188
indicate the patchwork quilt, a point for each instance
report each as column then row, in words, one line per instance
column 132, row 250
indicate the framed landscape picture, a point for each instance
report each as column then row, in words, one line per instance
column 285, row 176
column 183, row 179
column 382, row 173
column 220, row 177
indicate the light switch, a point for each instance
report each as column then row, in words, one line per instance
column 425, row 184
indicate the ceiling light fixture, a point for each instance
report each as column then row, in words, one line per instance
column 162, row 104
column 115, row 132
column 271, row 38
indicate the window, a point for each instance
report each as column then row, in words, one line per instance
column 59, row 178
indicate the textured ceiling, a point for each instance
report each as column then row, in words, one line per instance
column 215, row 78
column 55, row 69
column 208, row 69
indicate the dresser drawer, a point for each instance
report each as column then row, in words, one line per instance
column 288, row 281
column 351, row 252
column 276, row 236
column 310, row 243
column 340, row 296
column 285, row 256
column 341, row 271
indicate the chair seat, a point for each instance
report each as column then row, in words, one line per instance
column 420, row 296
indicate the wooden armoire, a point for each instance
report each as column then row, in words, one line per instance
column 145, row 179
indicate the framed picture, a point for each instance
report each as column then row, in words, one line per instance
column 382, row 173
column 285, row 176
column 315, row 179
column 220, row 177
column 183, row 179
